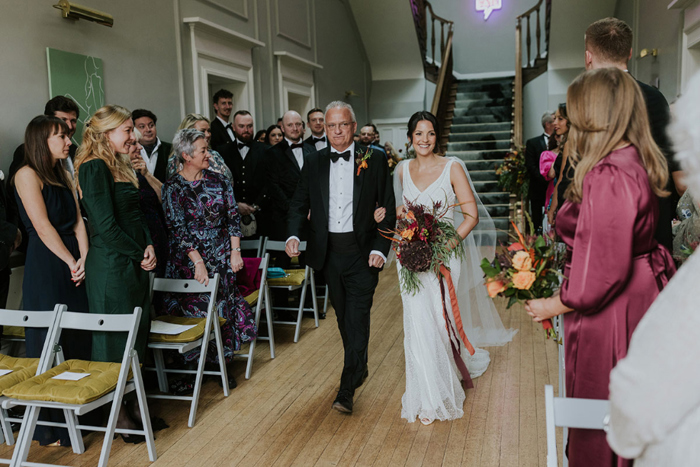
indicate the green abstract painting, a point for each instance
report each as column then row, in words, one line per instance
column 80, row 78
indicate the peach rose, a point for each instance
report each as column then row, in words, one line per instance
column 522, row 261
column 495, row 287
column 523, row 280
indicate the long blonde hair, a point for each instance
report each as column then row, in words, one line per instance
column 606, row 107
column 96, row 145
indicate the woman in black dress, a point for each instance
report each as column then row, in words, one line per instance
column 54, row 268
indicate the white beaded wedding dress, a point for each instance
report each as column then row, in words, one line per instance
column 434, row 388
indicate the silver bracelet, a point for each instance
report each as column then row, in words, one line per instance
column 198, row 261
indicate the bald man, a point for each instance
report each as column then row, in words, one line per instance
column 285, row 161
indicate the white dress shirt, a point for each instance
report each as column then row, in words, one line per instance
column 546, row 139
column 242, row 151
column 298, row 153
column 229, row 130
column 341, row 181
column 320, row 144
column 152, row 159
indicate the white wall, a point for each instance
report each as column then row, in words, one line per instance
column 535, row 103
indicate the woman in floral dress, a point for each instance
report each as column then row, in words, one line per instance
column 204, row 237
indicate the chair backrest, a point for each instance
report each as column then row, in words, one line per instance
column 571, row 412
column 256, row 245
column 263, row 280
column 276, row 245
column 35, row 319
column 187, row 286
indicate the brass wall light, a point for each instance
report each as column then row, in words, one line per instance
column 646, row 52
column 351, row 93
column 74, row 11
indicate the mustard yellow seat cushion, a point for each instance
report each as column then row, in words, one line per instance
column 294, row 277
column 252, row 299
column 22, row 370
column 188, row 336
column 103, row 379
column 13, row 331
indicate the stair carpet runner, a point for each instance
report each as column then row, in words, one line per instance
column 480, row 136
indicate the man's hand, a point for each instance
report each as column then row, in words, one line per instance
column 245, row 209
column 292, row 247
column 376, row 261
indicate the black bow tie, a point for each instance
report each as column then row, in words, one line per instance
column 297, row 145
column 337, row 155
column 322, row 138
column 243, row 145
column 229, row 126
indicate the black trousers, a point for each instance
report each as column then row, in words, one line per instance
column 351, row 284
column 537, row 201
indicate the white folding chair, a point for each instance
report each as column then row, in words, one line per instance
column 22, row 368
column 256, row 245
column 296, row 279
column 259, row 299
column 207, row 329
column 589, row 414
column 106, row 383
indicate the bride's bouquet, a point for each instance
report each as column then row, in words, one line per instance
column 527, row 269
column 425, row 242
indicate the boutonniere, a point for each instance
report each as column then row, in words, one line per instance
column 361, row 159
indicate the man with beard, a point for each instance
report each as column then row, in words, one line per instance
column 245, row 158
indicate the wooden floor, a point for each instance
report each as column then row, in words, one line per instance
column 282, row 415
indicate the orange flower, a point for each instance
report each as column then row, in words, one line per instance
column 516, row 247
column 522, row 261
column 523, row 280
column 495, row 287
column 363, row 165
column 408, row 234
column 410, row 216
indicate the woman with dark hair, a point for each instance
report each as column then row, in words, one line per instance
column 273, row 135
column 260, row 136
column 54, row 268
column 556, row 150
column 434, row 366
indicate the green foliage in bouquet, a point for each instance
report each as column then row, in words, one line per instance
column 512, row 173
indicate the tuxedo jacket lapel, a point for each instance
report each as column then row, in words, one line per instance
column 290, row 155
column 358, row 180
column 324, row 171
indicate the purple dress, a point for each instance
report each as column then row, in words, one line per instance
column 203, row 216
column 615, row 269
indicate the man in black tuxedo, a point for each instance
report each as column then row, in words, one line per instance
column 285, row 160
column 246, row 160
column 318, row 140
column 154, row 152
column 344, row 241
column 538, row 184
column 609, row 44
column 221, row 130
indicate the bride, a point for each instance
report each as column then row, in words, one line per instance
column 433, row 382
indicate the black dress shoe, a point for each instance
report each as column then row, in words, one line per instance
column 343, row 402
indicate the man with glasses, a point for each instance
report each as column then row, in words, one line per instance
column 340, row 188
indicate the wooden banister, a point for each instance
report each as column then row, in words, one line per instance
column 423, row 15
column 443, row 81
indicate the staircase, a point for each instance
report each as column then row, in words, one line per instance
column 480, row 135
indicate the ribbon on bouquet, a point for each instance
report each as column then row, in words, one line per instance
column 456, row 350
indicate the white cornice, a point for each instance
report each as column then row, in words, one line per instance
column 302, row 61
column 229, row 34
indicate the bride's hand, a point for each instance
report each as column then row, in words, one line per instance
column 401, row 212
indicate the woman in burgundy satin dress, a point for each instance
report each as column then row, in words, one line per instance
column 615, row 269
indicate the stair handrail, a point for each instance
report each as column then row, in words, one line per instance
column 444, row 82
column 517, row 140
column 420, row 9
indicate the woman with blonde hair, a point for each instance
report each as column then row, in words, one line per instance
column 216, row 162
column 615, row 268
column 121, row 252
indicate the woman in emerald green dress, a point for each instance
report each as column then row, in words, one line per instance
column 121, row 253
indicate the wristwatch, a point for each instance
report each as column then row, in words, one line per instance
column 236, row 249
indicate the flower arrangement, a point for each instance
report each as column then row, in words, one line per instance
column 425, row 242
column 361, row 160
column 526, row 269
column 512, row 173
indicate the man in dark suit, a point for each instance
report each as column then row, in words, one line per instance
column 609, row 44
column 314, row 118
column 154, row 152
column 538, row 184
column 285, row 160
column 246, row 160
column 344, row 240
column 221, row 130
